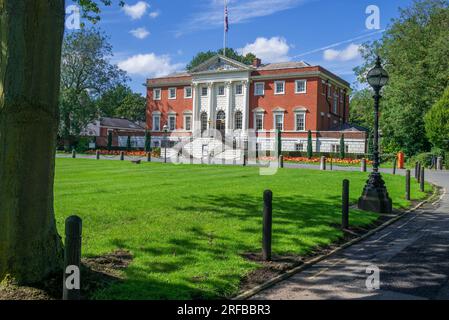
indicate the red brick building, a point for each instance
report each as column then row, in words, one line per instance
column 235, row 99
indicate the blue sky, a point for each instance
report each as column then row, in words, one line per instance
column 154, row 37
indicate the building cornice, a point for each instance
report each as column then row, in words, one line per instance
column 299, row 75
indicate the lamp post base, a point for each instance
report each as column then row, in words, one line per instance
column 375, row 196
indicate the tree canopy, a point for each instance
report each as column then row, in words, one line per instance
column 86, row 74
column 230, row 53
column 437, row 123
column 414, row 49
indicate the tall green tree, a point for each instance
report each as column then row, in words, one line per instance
column 414, row 49
column 342, row 147
column 437, row 123
column 87, row 73
column 309, row 145
column 31, row 35
column 361, row 109
column 230, row 53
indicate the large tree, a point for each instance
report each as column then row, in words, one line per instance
column 31, row 35
column 437, row 123
column 230, row 53
column 361, row 110
column 415, row 52
column 87, row 73
column 122, row 102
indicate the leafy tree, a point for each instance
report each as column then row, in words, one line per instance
column 414, row 49
column 86, row 74
column 230, row 53
column 342, row 147
column 30, row 56
column 437, row 123
column 133, row 107
column 361, row 109
column 309, row 145
column 110, row 101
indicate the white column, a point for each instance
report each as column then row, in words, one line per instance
column 245, row 106
column 229, row 111
column 196, row 108
column 211, row 105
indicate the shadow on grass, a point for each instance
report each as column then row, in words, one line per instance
column 299, row 224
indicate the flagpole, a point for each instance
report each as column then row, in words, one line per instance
column 224, row 28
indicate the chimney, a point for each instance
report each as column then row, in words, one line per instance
column 257, row 62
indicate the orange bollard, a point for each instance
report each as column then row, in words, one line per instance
column 401, row 159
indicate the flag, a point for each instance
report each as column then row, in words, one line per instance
column 226, row 19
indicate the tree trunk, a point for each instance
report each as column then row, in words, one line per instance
column 31, row 33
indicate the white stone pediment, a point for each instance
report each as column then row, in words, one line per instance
column 220, row 64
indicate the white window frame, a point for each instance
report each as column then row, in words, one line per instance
column 171, row 116
column 218, row 91
column 185, row 122
column 241, row 86
column 169, row 93
column 207, row 91
column 185, row 93
column 235, row 120
column 154, row 94
column 299, row 144
column 305, row 86
column 303, row 114
column 275, row 114
column 276, row 87
column 263, row 88
column 335, row 104
column 154, row 122
column 329, row 90
column 255, row 120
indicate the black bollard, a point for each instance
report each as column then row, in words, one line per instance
column 418, row 178
column 281, row 162
column 267, row 224
column 148, row 156
column 257, row 152
column 244, row 160
column 407, row 185
column 122, row 156
column 98, row 155
column 421, row 180
column 73, row 153
column 345, row 205
column 363, row 165
column 394, row 165
column 72, row 258
column 332, row 164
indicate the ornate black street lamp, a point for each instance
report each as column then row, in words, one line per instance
column 165, row 138
column 375, row 195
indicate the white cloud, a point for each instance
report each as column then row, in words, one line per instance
column 351, row 52
column 150, row 65
column 211, row 15
column 140, row 33
column 154, row 14
column 269, row 50
column 136, row 11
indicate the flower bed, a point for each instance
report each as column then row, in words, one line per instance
column 118, row 152
column 315, row 160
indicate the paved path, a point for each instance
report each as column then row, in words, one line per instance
column 411, row 254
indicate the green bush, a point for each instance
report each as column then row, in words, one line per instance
column 82, row 145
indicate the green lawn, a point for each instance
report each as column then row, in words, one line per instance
column 187, row 226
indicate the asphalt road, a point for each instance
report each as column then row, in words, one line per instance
column 412, row 256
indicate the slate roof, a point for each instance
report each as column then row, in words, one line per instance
column 348, row 127
column 120, row 123
column 284, row 65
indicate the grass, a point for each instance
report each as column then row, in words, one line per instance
column 188, row 226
